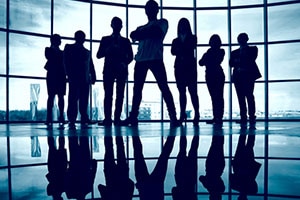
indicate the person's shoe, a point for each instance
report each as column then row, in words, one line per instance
column 130, row 121
column 72, row 126
column 211, row 121
column 120, row 122
column 105, row 122
column 175, row 123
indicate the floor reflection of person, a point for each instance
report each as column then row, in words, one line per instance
column 57, row 167
column 151, row 185
column 186, row 170
column 214, row 167
column 244, row 166
column 118, row 184
column 82, row 168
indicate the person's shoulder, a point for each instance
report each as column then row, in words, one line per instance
column 105, row 37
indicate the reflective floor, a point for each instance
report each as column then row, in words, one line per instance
column 227, row 162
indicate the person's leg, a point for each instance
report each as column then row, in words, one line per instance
column 159, row 72
column 251, row 101
column 108, row 84
column 140, row 167
column 240, row 91
column 193, row 90
column 72, row 103
column 61, row 107
column 120, row 88
column 181, row 86
column 50, row 103
column 140, row 72
column 83, row 103
column 219, row 99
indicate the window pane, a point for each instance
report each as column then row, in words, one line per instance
column 4, row 184
column 242, row 2
column 2, row 99
column 284, row 61
column 3, row 14
column 29, row 101
column 284, row 101
column 250, row 21
column 27, row 55
column 2, row 53
column 136, row 17
column 114, row 1
column 28, row 15
column 212, row 22
column 178, row 3
column 102, row 16
column 140, row 2
column 210, row 3
column 70, row 16
column 284, row 22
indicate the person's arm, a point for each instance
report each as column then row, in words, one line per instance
column 92, row 71
column 154, row 31
column 220, row 57
column 203, row 60
column 129, row 52
column 101, row 49
column 175, row 48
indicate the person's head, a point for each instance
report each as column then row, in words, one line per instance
column 215, row 41
column 79, row 37
column 184, row 27
column 55, row 40
column 243, row 39
column 116, row 24
column 151, row 9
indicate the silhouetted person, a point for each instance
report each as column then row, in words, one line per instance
column 81, row 73
column 245, row 168
column 82, row 168
column 186, row 170
column 245, row 72
column 214, row 167
column 151, row 185
column 118, row 184
column 118, row 54
column 56, row 78
column 57, row 167
column 150, row 57
column 183, row 47
column 215, row 77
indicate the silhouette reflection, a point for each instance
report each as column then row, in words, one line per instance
column 214, row 166
column 118, row 184
column 186, row 169
column 151, row 185
column 82, row 168
column 57, row 167
column 244, row 166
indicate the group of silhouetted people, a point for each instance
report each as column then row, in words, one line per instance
column 76, row 64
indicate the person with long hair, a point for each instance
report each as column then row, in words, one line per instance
column 183, row 47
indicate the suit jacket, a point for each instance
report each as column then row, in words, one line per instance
column 117, row 52
column 243, row 63
column 79, row 64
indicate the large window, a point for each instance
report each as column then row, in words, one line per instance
column 272, row 25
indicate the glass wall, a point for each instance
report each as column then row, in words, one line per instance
column 25, row 28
